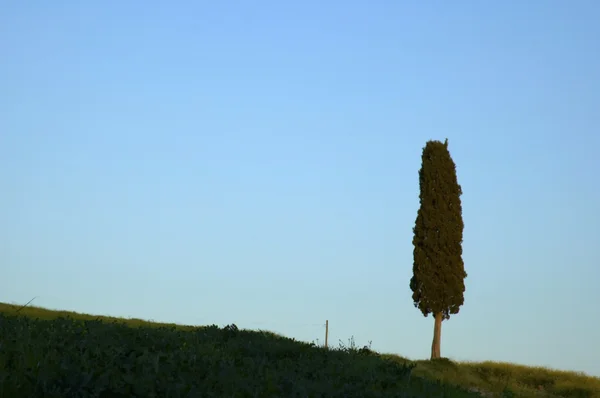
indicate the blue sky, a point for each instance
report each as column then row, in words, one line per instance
column 256, row 163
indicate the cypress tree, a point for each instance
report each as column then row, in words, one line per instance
column 438, row 268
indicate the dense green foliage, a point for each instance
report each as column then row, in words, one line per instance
column 438, row 269
column 92, row 358
column 80, row 355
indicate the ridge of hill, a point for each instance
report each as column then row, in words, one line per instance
column 53, row 353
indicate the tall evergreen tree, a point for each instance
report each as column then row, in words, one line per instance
column 438, row 268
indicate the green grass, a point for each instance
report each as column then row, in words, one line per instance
column 46, row 353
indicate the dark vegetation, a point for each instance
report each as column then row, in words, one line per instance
column 94, row 357
column 46, row 353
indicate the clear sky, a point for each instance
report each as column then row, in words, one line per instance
column 255, row 162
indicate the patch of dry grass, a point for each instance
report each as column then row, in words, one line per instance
column 507, row 379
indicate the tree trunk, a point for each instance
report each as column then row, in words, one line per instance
column 437, row 337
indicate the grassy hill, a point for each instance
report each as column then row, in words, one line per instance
column 45, row 353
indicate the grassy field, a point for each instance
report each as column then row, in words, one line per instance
column 45, row 353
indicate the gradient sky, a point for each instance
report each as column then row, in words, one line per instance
column 256, row 163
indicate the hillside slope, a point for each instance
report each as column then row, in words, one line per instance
column 64, row 354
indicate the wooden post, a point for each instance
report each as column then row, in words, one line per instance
column 326, row 332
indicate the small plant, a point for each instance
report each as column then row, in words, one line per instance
column 231, row 328
column 352, row 348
